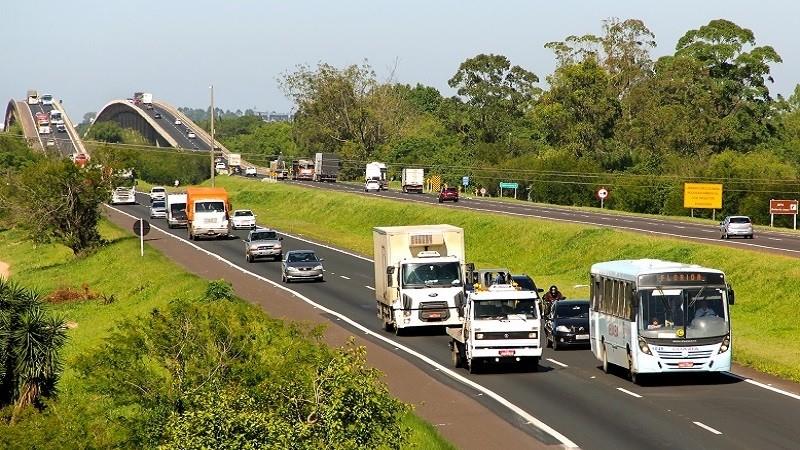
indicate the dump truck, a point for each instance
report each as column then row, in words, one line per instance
column 501, row 323
column 326, row 167
column 412, row 180
column 207, row 211
column 303, row 169
column 377, row 171
column 277, row 169
column 419, row 275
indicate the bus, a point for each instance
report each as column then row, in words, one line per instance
column 56, row 118
column 651, row 316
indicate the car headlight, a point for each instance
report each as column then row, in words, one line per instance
column 726, row 343
column 479, row 336
column 644, row 347
column 277, row 246
column 533, row 335
column 562, row 328
column 319, row 267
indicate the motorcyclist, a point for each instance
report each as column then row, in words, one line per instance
column 552, row 295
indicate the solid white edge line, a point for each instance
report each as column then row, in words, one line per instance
column 370, row 288
column 706, row 427
column 557, row 362
column 460, row 378
column 771, row 388
column 632, row 394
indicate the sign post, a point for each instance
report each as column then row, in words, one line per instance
column 602, row 194
column 141, row 228
column 702, row 196
column 507, row 185
column 783, row 207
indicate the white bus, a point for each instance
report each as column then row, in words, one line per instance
column 652, row 316
column 56, row 118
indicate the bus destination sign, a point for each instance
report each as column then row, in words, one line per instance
column 681, row 278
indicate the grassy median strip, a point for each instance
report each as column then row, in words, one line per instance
column 94, row 293
column 764, row 318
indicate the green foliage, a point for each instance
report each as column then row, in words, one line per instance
column 258, row 141
column 153, row 165
column 219, row 290
column 14, row 152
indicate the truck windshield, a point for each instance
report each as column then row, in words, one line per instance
column 439, row 274
column 687, row 313
column 502, row 308
column 209, row 206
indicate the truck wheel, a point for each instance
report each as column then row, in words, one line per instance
column 387, row 326
column 456, row 356
column 472, row 365
column 398, row 331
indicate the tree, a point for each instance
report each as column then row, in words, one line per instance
column 57, row 201
column 106, row 132
column 496, row 92
column 30, row 342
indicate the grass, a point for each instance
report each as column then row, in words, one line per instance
column 765, row 327
column 138, row 284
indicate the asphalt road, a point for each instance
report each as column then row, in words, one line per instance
column 569, row 393
column 62, row 142
column 178, row 132
column 785, row 243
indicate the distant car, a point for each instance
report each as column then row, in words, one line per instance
column 158, row 210
column 302, row 265
column 178, row 122
column 191, row 135
column 736, row 226
column 158, row 193
column 526, row 283
column 149, row 106
column 567, row 323
column 448, row 194
column 243, row 219
column 372, row 185
column 250, row 172
column 220, row 166
column 51, row 143
column 263, row 242
column 157, row 115
column 61, row 128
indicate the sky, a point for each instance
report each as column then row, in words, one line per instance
column 90, row 52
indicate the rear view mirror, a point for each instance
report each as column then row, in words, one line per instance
column 389, row 276
column 321, row 259
column 539, row 290
column 731, row 296
column 280, row 239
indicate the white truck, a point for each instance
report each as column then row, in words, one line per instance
column 208, row 212
column 33, row 97
column 326, row 167
column 419, row 275
column 499, row 324
column 412, row 180
column 176, row 211
column 377, row 171
column 123, row 187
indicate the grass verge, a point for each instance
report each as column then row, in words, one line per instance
column 137, row 284
column 764, row 318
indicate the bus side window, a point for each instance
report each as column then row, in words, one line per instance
column 608, row 296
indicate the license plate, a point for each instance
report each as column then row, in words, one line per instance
column 434, row 315
column 507, row 352
column 685, row 364
column 581, row 336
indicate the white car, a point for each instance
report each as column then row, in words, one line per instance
column 220, row 166
column 243, row 218
column 158, row 193
column 372, row 185
column 178, row 122
column 250, row 172
column 191, row 135
column 51, row 142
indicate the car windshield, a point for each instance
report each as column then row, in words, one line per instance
column 688, row 313
column 572, row 310
column 437, row 274
column 243, row 213
column 264, row 236
column 158, row 205
column 158, row 190
column 302, row 257
column 503, row 308
column 451, row 190
column 740, row 220
column 524, row 282
column 209, row 207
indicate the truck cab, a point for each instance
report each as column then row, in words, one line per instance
column 498, row 324
column 208, row 213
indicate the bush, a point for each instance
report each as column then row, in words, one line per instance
column 219, row 290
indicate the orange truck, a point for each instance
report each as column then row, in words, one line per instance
column 208, row 212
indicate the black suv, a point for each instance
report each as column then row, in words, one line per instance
column 567, row 323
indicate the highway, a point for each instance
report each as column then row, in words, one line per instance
column 60, row 140
column 178, row 132
column 569, row 393
column 785, row 242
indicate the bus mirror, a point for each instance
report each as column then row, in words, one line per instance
column 731, row 297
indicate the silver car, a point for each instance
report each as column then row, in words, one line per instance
column 263, row 243
column 302, row 265
column 158, row 210
column 736, row 226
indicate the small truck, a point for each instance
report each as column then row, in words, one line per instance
column 499, row 324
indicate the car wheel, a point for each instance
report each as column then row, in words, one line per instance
column 321, row 279
column 547, row 341
column 248, row 258
column 440, row 200
column 455, row 201
column 750, row 237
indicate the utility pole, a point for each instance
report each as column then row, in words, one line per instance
column 212, row 135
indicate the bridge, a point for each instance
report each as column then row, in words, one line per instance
column 64, row 141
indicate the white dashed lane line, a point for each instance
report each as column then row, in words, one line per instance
column 706, row 427
column 370, row 288
column 342, row 276
column 632, row 394
column 559, row 363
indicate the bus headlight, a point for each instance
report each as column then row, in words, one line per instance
column 479, row 336
column 644, row 347
column 726, row 343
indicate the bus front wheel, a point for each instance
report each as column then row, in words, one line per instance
column 605, row 358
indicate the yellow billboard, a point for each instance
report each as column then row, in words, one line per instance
column 702, row 195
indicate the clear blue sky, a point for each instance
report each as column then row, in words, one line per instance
column 89, row 52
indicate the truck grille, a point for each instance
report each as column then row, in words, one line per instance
column 690, row 355
column 433, row 311
column 507, row 335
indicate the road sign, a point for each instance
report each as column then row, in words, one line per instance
column 465, row 181
column 506, row 185
column 141, row 227
column 602, row 193
column 702, row 195
column 783, row 207
column 483, row 191
column 234, row 159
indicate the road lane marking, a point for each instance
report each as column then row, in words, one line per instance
column 342, row 276
column 765, row 386
column 451, row 373
column 632, row 394
column 706, row 427
column 678, row 226
column 774, row 239
column 557, row 362
column 370, row 288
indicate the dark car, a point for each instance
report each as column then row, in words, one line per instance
column 449, row 194
column 567, row 323
column 526, row 283
column 302, row 265
column 157, row 115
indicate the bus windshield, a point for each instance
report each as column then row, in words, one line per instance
column 685, row 313
column 439, row 274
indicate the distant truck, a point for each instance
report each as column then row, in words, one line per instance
column 176, row 211
column 123, row 185
column 412, row 180
column 277, row 169
column 499, row 323
column 377, row 171
column 47, row 99
column 303, row 169
column 56, row 117
column 419, row 275
column 326, row 167
column 207, row 212
column 33, row 97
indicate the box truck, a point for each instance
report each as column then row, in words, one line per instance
column 207, row 212
column 419, row 275
column 377, row 171
column 176, row 210
column 412, row 180
column 326, row 167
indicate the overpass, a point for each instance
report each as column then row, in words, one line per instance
column 65, row 142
